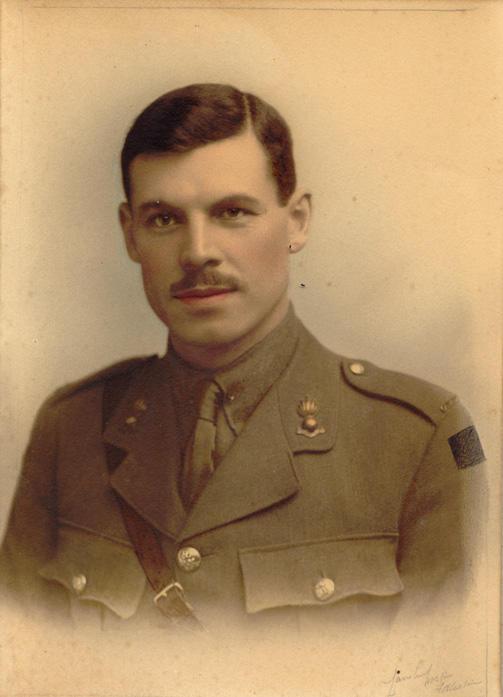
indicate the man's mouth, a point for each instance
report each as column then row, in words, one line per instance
column 201, row 293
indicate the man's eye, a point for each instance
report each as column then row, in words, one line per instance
column 162, row 220
column 233, row 213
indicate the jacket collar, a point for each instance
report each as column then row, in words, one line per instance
column 258, row 470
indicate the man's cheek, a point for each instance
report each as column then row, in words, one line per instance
column 154, row 268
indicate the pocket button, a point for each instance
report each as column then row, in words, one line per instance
column 324, row 589
column 79, row 583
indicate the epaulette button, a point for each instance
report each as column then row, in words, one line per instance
column 357, row 368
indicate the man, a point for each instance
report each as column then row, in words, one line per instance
column 249, row 476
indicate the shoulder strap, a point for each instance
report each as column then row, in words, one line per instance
column 169, row 596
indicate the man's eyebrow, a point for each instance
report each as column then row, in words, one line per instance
column 241, row 198
column 156, row 205
column 237, row 197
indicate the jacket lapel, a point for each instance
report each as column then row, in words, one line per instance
column 144, row 428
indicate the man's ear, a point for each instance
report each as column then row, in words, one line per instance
column 126, row 221
column 299, row 217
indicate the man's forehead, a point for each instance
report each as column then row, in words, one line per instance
column 238, row 163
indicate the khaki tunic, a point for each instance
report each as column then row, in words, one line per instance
column 375, row 515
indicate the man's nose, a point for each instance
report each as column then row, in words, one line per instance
column 198, row 246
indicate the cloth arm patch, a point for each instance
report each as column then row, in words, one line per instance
column 466, row 448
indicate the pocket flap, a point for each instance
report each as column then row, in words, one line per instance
column 97, row 568
column 319, row 572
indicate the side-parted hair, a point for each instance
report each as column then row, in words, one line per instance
column 196, row 115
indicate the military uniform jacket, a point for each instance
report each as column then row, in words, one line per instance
column 371, row 513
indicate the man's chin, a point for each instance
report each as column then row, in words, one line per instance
column 207, row 338
column 211, row 344
column 216, row 338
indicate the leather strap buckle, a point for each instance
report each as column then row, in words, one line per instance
column 173, row 586
column 171, row 602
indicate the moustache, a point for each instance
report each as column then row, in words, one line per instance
column 204, row 278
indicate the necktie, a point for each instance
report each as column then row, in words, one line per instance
column 199, row 462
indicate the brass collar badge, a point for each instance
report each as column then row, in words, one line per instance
column 307, row 410
column 140, row 406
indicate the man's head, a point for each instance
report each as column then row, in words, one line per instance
column 212, row 216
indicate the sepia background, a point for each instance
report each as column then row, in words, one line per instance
column 395, row 110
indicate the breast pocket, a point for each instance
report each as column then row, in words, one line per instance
column 96, row 568
column 319, row 572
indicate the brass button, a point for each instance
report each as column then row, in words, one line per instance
column 79, row 582
column 188, row 558
column 357, row 368
column 324, row 589
column 131, row 420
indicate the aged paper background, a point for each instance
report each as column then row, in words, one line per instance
column 396, row 111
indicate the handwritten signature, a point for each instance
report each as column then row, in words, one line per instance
column 440, row 682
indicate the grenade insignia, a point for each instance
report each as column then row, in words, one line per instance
column 307, row 410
